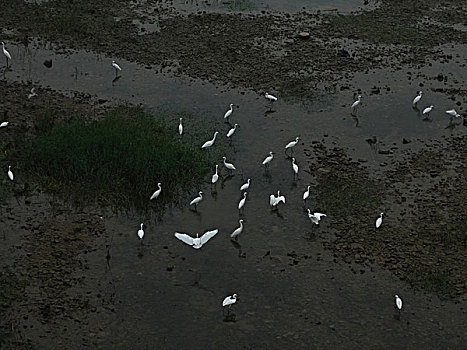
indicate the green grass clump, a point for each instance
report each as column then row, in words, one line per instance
column 118, row 160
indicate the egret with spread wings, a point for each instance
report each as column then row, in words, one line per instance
column 197, row 242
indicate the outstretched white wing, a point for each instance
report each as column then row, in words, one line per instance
column 184, row 238
column 208, row 235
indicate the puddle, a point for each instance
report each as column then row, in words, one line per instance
column 253, row 6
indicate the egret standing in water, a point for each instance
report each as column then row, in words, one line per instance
column 228, row 301
column 196, row 201
column 294, row 168
column 231, row 131
column 241, row 204
column 180, row 127
column 32, row 93
column 229, row 166
column 10, row 173
column 141, row 233
column 6, row 53
column 215, row 176
column 291, row 145
column 315, row 217
column 228, row 113
column 246, row 185
column 306, row 194
column 117, row 67
column 3, row 124
column 398, row 302
column 417, row 99
column 379, row 220
column 236, row 233
column 427, row 110
column 157, row 193
column 210, row 142
column 270, row 97
column 268, row 159
column 356, row 103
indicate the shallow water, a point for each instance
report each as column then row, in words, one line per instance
column 172, row 294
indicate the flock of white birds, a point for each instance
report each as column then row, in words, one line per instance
column 274, row 201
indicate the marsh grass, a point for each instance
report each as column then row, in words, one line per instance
column 117, row 161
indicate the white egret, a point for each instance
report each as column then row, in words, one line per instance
column 315, row 217
column 241, row 204
column 268, row 159
column 453, row 113
column 32, row 94
column 3, row 124
column 228, row 301
column 6, row 53
column 246, row 185
column 215, row 176
column 198, row 199
column 197, row 242
column 141, row 232
column 379, row 221
column 229, row 166
column 117, row 67
column 236, row 233
column 280, row 198
column 210, row 142
column 417, row 98
column 427, row 111
column 306, row 194
column 270, row 97
column 398, row 302
column 231, row 131
column 291, row 144
column 157, row 193
column 357, row 102
column 180, row 127
column 10, row 173
column 294, row 167
column 274, row 201
column 228, row 113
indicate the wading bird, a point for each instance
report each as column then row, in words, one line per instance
column 379, row 220
column 294, row 168
column 228, row 301
column 417, row 98
column 246, row 185
column 398, row 302
column 291, row 145
column 3, row 124
column 236, row 233
column 274, row 201
column 268, row 159
column 453, row 113
column 156, row 193
column 141, row 232
column 270, row 97
column 180, row 127
column 228, row 113
column 356, row 103
column 32, row 93
column 315, row 217
column 197, row 242
column 117, row 67
column 241, row 204
column 215, row 176
column 6, row 53
column 231, row 131
column 427, row 110
column 306, row 194
column 10, row 173
column 210, row 142
column 229, row 166
column 198, row 199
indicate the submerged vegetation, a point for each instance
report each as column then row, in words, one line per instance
column 118, row 160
